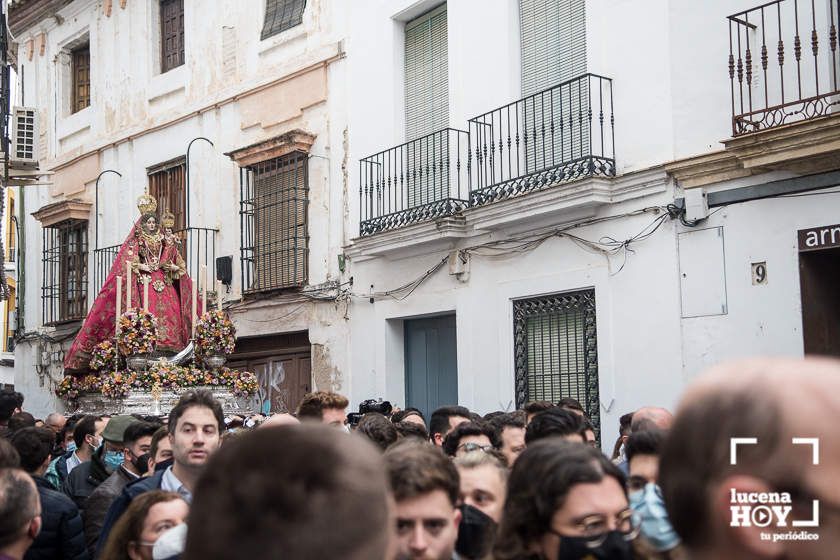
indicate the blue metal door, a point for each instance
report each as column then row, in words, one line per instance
column 431, row 363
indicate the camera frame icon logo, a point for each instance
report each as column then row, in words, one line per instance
column 763, row 509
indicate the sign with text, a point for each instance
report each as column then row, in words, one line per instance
column 824, row 237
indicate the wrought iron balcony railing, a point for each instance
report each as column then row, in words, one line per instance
column 560, row 134
column 198, row 247
column 782, row 64
column 424, row 179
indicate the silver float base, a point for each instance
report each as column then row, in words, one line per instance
column 141, row 402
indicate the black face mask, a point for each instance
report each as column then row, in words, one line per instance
column 614, row 547
column 141, row 463
column 163, row 465
column 476, row 533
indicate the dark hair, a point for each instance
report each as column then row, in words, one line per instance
column 405, row 413
column 18, row 504
column 307, row 492
column 314, row 404
column 9, row 401
column 198, row 397
column 378, row 429
column 495, row 414
column 537, row 487
column 159, row 434
column 415, row 469
column 696, row 454
column 439, row 423
column 138, row 430
column 412, row 430
column 554, row 422
column 646, row 442
column 9, row 457
column 453, row 438
column 34, row 446
column 21, row 420
column 535, row 407
column 623, row 430
column 508, row 420
column 129, row 526
column 571, row 404
column 85, row 427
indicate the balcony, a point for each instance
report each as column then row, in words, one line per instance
column 542, row 141
column 198, row 247
column 424, row 179
column 783, row 64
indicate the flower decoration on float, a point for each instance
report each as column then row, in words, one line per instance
column 138, row 332
column 214, row 334
column 118, row 385
column 104, row 356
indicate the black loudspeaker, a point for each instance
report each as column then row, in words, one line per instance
column 224, row 270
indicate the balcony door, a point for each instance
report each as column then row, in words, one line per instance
column 167, row 183
column 553, row 46
column 426, row 107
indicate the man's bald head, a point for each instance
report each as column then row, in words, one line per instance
column 281, row 419
column 773, row 401
column 651, row 418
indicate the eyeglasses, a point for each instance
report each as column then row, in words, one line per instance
column 595, row 528
column 468, row 447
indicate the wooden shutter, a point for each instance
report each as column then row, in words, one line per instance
column 426, row 74
column 280, row 223
column 281, row 15
column 553, row 40
column 167, row 183
column 171, row 34
column 81, row 78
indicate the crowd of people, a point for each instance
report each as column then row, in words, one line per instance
column 533, row 484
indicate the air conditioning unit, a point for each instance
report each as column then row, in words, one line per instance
column 24, row 134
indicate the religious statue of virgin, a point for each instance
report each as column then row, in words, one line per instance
column 150, row 257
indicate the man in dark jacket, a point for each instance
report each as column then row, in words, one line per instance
column 84, row 479
column 196, row 423
column 137, row 439
column 61, row 535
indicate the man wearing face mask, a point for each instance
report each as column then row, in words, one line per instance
column 137, row 439
column 483, row 481
column 84, row 479
column 87, row 437
column 642, row 452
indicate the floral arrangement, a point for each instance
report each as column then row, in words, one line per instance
column 138, row 332
column 163, row 374
column 214, row 334
column 118, row 384
column 104, row 356
column 71, row 387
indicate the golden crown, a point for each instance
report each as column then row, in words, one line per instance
column 168, row 220
column 147, row 204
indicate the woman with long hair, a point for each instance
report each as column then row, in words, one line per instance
column 149, row 515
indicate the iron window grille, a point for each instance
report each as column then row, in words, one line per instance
column 81, row 78
column 64, row 289
column 281, row 15
column 171, row 34
column 274, row 223
column 556, row 350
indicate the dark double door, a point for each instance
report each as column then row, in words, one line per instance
column 431, row 363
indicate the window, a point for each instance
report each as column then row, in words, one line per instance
column 171, row 34
column 9, row 343
column 555, row 350
column 80, row 67
column 167, row 183
column 275, row 240
column 426, row 74
column 553, row 44
column 281, row 15
column 64, row 291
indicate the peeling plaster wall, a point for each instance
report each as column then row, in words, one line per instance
column 235, row 90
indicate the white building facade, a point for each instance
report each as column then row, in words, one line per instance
column 569, row 263
column 232, row 115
